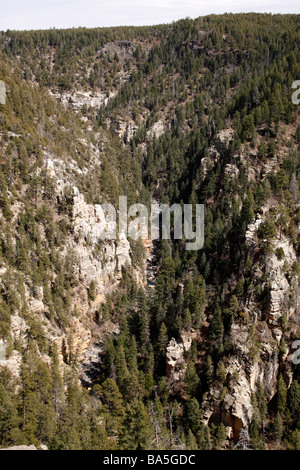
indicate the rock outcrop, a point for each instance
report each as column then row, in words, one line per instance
column 280, row 288
column 175, row 355
column 31, row 447
column 156, row 130
column 95, row 260
column 98, row 255
column 79, row 99
column 255, row 361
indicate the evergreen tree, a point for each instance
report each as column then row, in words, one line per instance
column 281, row 401
column 192, row 379
column 137, row 431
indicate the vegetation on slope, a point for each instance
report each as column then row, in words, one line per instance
column 197, row 77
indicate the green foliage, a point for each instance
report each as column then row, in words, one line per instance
column 92, row 291
column 197, row 77
column 294, row 440
column 281, row 395
column 137, row 430
column 192, row 379
column 193, row 415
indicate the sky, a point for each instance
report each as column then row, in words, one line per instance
column 45, row 14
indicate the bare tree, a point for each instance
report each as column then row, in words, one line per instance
column 244, row 441
column 164, row 438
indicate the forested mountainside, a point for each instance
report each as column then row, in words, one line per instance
column 199, row 111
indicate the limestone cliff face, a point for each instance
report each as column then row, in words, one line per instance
column 256, row 357
column 95, row 260
column 78, row 99
column 175, row 355
column 98, row 259
column 280, row 286
column 261, row 343
column 245, row 369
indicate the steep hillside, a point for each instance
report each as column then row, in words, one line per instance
column 199, row 111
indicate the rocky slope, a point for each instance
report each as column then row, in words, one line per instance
column 173, row 348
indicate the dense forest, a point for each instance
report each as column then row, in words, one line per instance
column 199, row 111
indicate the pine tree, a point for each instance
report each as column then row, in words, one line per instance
column 294, row 440
column 281, row 401
column 9, row 419
column 191, row 442
column 278, row 427
column 137, row 431
column 144, row 330
column 294, row 398
column 112, row 405
column 111, row 398
column 57, row 382
column 162, row 340
column 193, row 415
column 191, row 379
column 121, row 369
column 216, row 328
column 204, row 438
column 92, row 291
column 221, row 436
column 247, row 212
